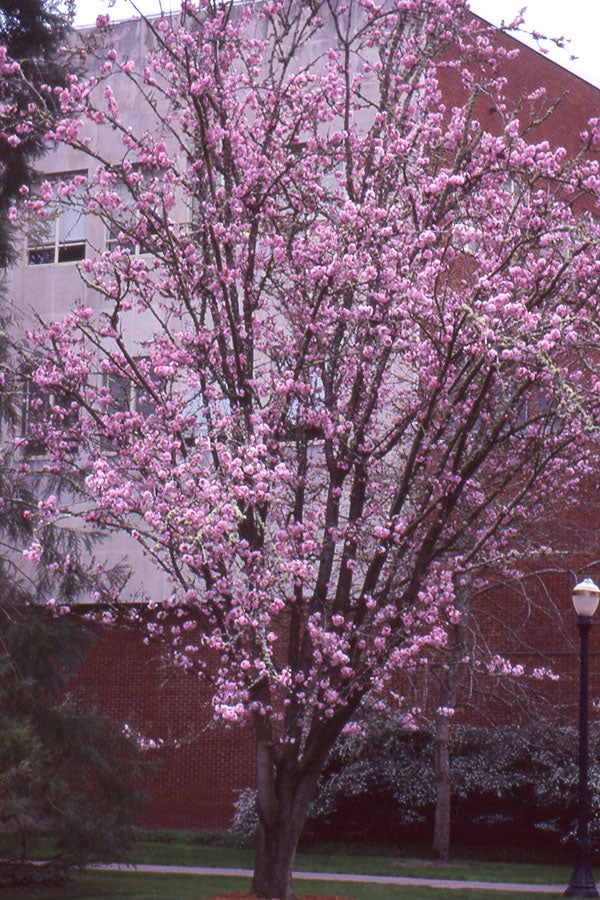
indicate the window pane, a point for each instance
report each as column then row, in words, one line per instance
column 41, row 240
column 117, row 238
column 33, row 411
column 144, row 403
column 60, row 235
column 116, row 404
column 119, row 388
column 71, row 252
column 120, row 221
column 72, row 225
column 41, row 256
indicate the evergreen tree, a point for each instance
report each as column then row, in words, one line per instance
column 31, row 31
column 64, row 764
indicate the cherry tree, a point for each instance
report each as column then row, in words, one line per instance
column 344, row 347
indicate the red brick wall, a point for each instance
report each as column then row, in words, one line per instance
column 536, row 627
column 197, row 782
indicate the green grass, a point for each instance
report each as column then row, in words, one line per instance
column 185, row 852
column 205, row 849
column 189, row 848
column 139, row 886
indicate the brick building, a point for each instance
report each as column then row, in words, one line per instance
column 203, row 767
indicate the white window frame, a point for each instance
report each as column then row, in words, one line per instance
column 46, row 404
column 58, row 249
column 113, row 228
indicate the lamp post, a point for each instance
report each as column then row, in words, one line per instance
column 585, row 600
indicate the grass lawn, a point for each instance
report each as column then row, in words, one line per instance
column 183, row 850
column 187, row 887
column 189, row 848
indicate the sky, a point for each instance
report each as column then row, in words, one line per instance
column 578, row 20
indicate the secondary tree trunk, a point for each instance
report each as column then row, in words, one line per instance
column 441, row 746
column 441, row 765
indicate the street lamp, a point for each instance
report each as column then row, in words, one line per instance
column 585, row 600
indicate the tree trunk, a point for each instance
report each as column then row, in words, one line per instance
column 274, row 861
column 284, row 797
column 441, row 745
column 441, row 765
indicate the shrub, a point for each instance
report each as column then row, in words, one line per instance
column 510, row 786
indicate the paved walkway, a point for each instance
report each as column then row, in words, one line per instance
column 444, row 883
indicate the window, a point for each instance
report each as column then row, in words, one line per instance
column 117, row 402
column 34, row 410
column 537, row 406
column 122, row 222
column 122, row 397
column 135, row 215
column 39, row 409
column 119, row 392
column 300, row 415
column 59, row 236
